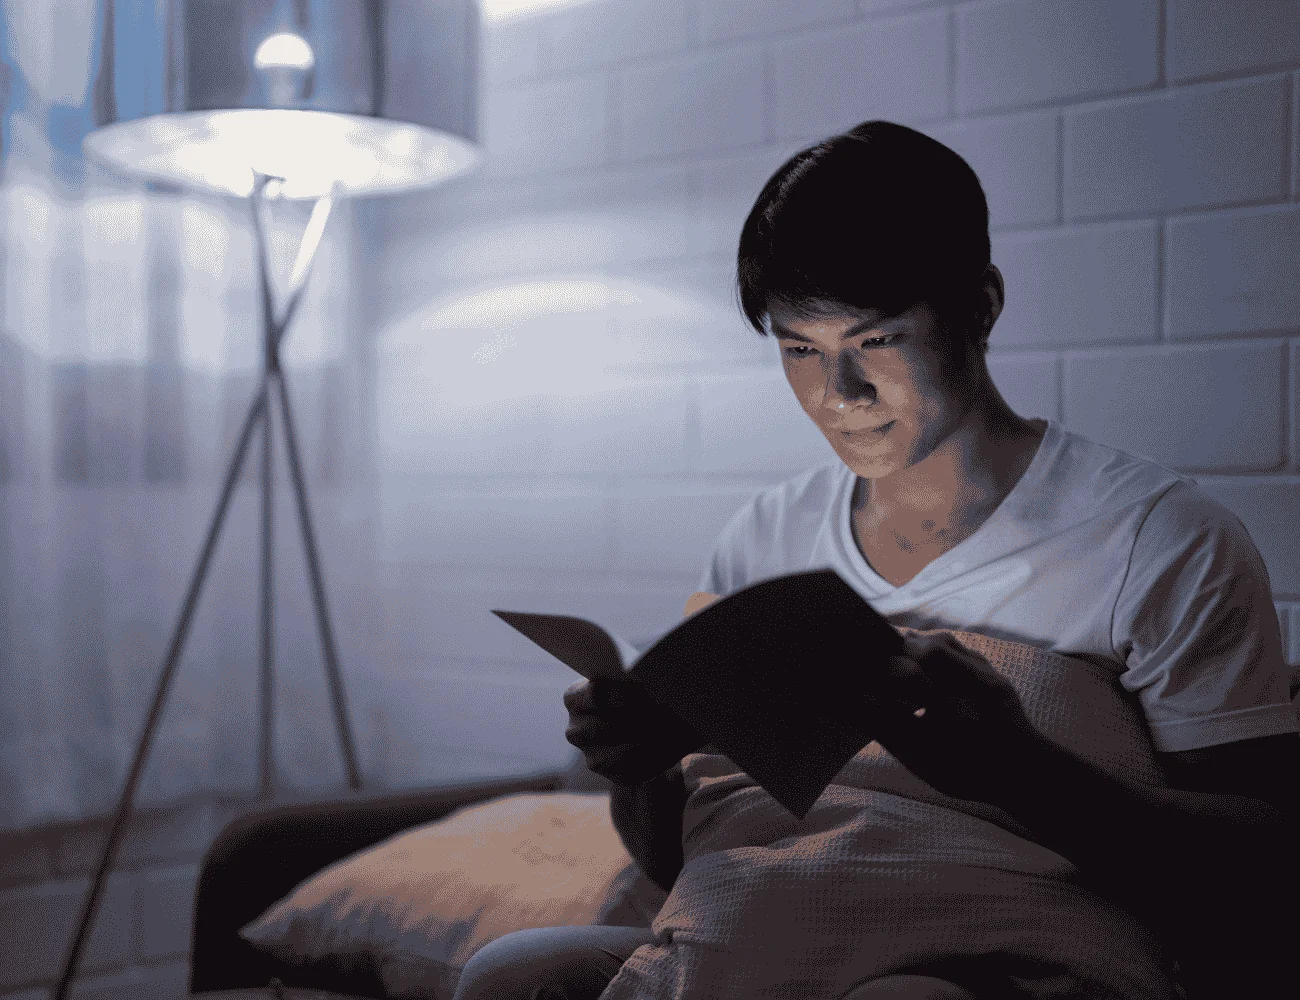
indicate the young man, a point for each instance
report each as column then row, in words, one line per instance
column 867, row 257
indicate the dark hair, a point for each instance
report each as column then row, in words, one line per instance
column 879, row 217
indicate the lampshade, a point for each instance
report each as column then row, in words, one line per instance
column 374, row 95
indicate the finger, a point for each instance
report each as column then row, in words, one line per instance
column 948, row 662
column 908, row 737
column 908, row 681
column 622, row 764
column 591, row 732
column 610, row 761
column 578, row 697
column 617, row 694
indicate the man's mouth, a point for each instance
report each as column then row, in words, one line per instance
column 882, row 429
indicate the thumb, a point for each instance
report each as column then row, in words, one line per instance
column 908, row 681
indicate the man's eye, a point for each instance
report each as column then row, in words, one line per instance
column 884, row 341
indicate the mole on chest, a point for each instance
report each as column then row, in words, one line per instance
column 899, row 555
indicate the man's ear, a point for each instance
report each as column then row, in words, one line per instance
column 994, row 298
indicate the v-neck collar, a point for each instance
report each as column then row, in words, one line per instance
column 1010, row 502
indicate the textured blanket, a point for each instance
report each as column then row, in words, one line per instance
column 885, row 872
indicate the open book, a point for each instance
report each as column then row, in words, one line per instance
column 775, row 676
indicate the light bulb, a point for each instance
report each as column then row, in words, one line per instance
column 284, row 50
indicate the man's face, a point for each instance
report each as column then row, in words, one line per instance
column 900, row 380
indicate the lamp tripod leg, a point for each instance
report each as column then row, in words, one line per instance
column 256, row 412
column 337, row 695
column 266, row 628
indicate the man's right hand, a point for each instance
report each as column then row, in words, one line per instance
column 624, row 734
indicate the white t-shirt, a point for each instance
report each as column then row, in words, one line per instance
column 1094, row 553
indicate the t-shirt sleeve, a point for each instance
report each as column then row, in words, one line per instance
column 724, row 570
column 1195, row 623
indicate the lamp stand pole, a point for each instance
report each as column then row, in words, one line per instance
column 259, row 412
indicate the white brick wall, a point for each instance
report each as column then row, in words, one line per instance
column 1232, row 272
column 1140, row 161
column 1078, row 285
column 1201, row 42
column 1184, row 148
column 1153, row 401
column 700, row 102
column 892, row 67
column 726, row 20
column 1020, row 52
column 140, row 942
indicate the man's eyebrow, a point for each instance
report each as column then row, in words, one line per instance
column 857, row 328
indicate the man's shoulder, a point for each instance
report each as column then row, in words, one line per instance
column 1098, row 477
column 783, row 518
column 809, row 491
column 1177, row 513
column 1185, row 518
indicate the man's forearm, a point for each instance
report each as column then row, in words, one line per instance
column 1204, row 868
column 1097, row 820
column 648, row 818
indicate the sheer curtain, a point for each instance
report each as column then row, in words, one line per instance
column 128, row 354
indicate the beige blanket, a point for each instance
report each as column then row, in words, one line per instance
column 885, row 872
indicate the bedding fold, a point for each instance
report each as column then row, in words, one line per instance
column 887, row 873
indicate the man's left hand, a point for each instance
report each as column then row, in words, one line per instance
column 968, row 736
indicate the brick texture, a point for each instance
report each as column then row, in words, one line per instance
column 582, row 35
column 160, row 982
column 726, row 20
column 562, row 530
column 1205, row 38
column 1232, row 272
column 694, row 519
column 634, row 429
column 512, row 49
column 726, row 188
column 1034, row 51
column 1084, row 285
column 152, row 835
column 828, row 81
column 1213, row 408
column 165, row 912
column 1218, row 144
column 698, row 103
column 1030, row 385
column 37, row 922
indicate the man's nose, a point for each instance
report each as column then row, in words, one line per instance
column 847, row 384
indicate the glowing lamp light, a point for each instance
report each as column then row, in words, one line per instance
column 346, row 99
column 284, row 49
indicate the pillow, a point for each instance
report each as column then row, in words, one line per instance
column 418, row 905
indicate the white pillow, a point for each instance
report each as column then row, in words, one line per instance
column 421, row 903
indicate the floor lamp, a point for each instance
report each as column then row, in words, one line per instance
column 264, row 100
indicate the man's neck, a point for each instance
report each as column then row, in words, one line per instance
column 963, row 480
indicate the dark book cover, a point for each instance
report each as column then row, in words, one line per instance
column 776, row 676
